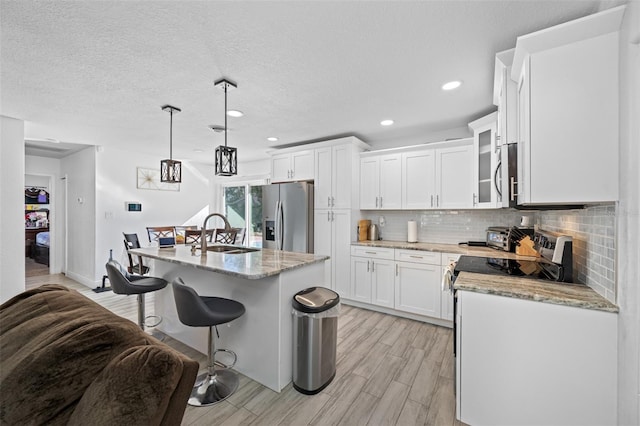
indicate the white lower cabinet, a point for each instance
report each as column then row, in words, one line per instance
column 372, row 276
column 417, row 286
column 406, row 281
column 332, row 235
column 523, row 362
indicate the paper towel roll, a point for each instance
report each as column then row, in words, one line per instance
column 412, row 231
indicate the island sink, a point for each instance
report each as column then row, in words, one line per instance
column 230, row 249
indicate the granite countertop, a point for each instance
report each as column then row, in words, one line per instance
column 252, row 265
column 444, row 248
column 575, row 295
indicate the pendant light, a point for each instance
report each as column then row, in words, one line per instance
column 226, row 156
column 170, row 170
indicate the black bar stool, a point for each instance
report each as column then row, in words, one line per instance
column 124, row 283
column 199, row 311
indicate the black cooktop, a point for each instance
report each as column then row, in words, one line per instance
column 539, row 269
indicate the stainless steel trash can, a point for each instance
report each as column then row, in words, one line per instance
column 315, row 329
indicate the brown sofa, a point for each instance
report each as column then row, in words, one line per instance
column 64, row 359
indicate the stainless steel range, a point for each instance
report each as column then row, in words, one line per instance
column 554, row 264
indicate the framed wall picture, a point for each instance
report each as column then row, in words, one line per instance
column 150, row 179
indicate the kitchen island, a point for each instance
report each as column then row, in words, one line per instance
column 264, row 281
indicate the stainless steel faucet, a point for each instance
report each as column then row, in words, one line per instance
column 203, row 234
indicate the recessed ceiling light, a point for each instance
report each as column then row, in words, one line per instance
column 451, row 85
column 386, row 122
column 198, row 150
column 234, row 113
column 272, row 139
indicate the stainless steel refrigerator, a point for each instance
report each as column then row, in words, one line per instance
column 287, row 217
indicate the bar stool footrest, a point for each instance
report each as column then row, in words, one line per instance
column 158, row 320
column 223, row 365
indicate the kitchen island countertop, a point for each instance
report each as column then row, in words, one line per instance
column 253, row 265
column 567, row 294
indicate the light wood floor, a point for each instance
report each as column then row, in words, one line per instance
column 390, row 371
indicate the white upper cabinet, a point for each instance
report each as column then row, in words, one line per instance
column 380, row 180
column 292, row 166
column 486, row 159
column 334, row 170
column 433, row 176
column 419, row 179
column 323, row 180
column 567, row 122
column 454, row 177
column 504, row 97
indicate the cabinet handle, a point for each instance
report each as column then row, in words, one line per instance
column 416, row 257
column 431, row 200
column 380, row 202
column 373, row 266
column 368, row 265
column 333, row 216
column 513, row 184
column 437, row 200
column 371, row 252
column 333, row 202
column 376, row 202
column 396, row 269
column 328, row 217
column 328, row 201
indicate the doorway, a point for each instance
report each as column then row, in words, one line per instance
column 44, row 219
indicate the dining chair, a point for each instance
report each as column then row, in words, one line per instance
column 241, row 235
column 193, row 237
column 181, row 232
column 131, row 242
column 156, row 232
column 225, row 236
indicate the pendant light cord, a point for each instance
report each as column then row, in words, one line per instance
column 225, row 115
column 171, row 135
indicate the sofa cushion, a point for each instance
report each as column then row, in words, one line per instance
column 126, row 393
column 53, row 344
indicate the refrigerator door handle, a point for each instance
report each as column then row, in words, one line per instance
column 281, row 221
column 276, row 225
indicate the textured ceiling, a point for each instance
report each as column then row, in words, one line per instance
column 97, row 72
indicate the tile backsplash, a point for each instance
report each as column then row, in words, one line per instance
column 444, row 226
column 594, row 244
column 593, row 231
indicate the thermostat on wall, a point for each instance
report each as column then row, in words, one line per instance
column 132, row 206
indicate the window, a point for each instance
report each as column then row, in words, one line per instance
column 245, row 212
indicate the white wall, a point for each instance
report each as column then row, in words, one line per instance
column 116, row 182
column 42, row 169
column 415, row 136
column 628, row 220
column 11, row 208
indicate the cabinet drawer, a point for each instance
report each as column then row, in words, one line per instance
column 372, row 252
column 417, row 256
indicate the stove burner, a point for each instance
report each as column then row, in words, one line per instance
column 539, row 269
